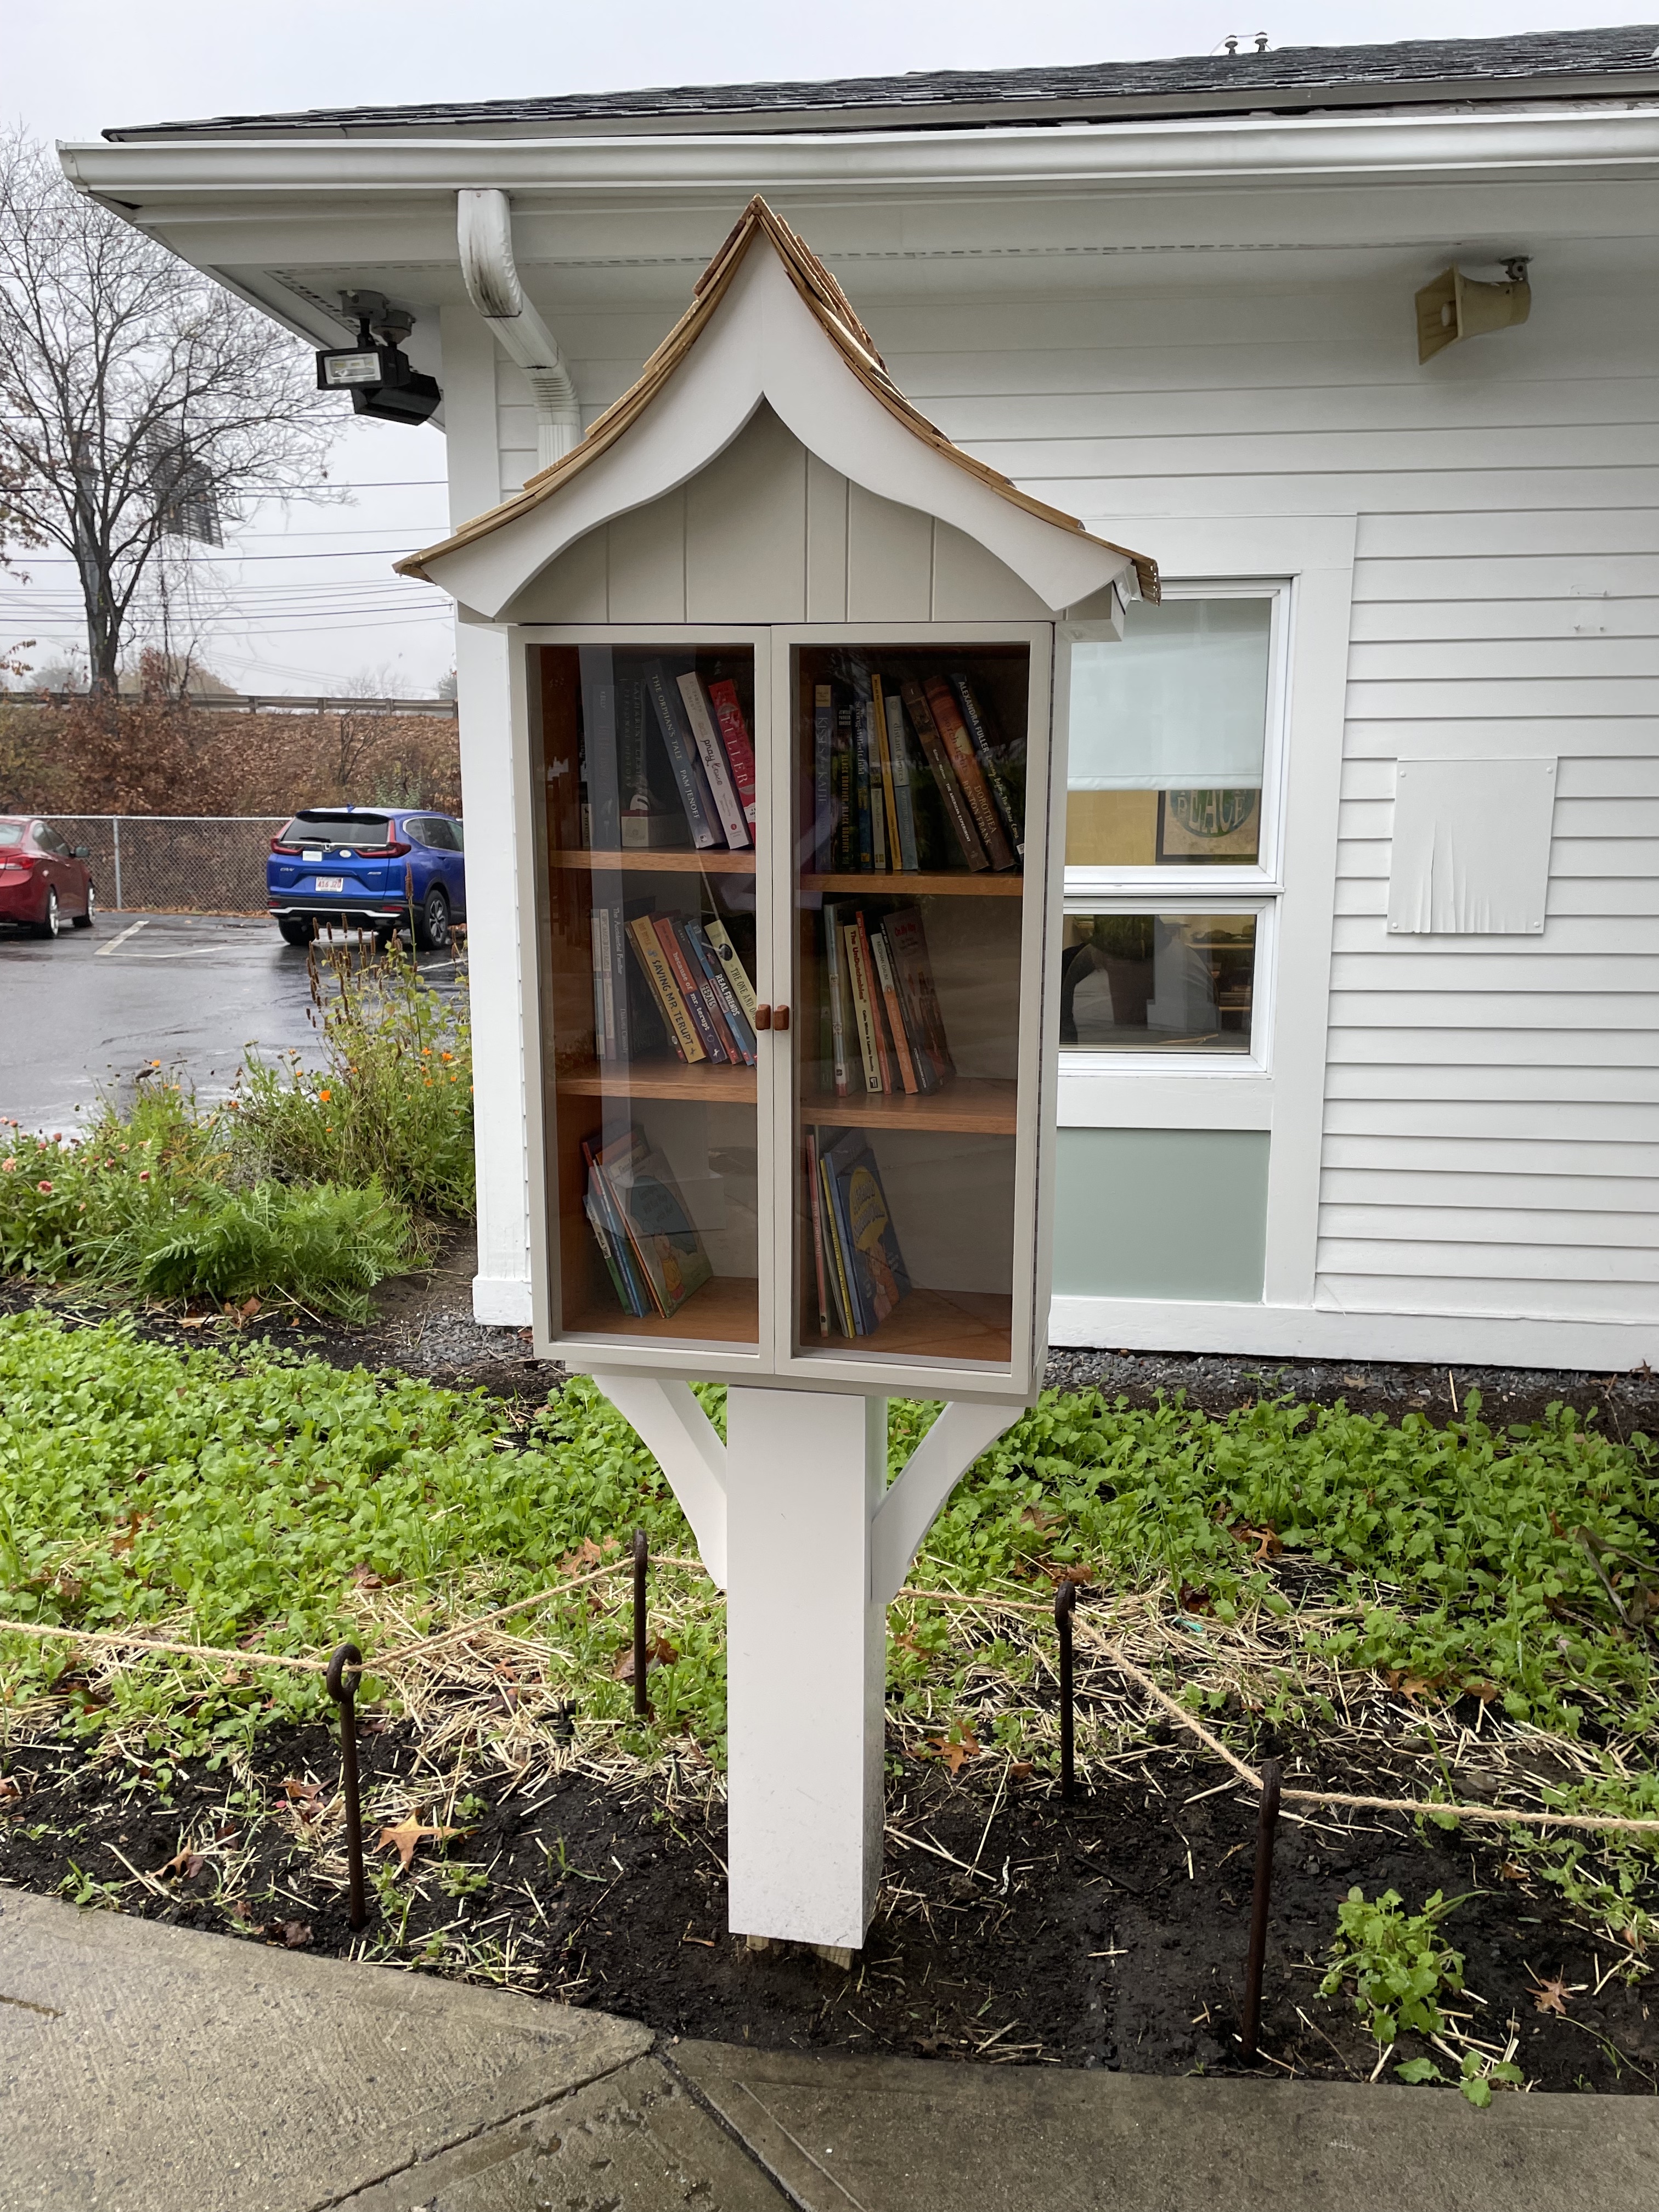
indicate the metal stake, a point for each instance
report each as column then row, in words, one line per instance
column 1065, row 1603
column 345, row 1697
column 1267, row 1826
column 641, row 1652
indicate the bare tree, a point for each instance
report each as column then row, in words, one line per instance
column 139, row 401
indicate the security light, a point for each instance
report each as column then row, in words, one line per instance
column 376, row 371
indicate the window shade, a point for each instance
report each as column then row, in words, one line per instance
column 1180, row 703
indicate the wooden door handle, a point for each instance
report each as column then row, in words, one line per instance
column 779, row 1018
column 763, row 1018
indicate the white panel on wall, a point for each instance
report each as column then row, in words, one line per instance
column 1471, row 852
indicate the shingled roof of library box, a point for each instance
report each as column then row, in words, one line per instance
column 701, row 387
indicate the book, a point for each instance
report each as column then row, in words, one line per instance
column 718, row 994
column 681, row 747
column 841, row 1293
column 885, row 759
column 859, row 991
column 823, row 739
column 873, row 777
column 687, row 1042
column 703, row 982
column 600, row 763
column 957, row 810
column 985, row 752
column 903, row 1063
column 815, row 1205
column 605, row 1008
column 736, row 974
column 877, row 1275
column 867, row 835
column 959, row 746
column 906, row 948
column 712, row 754
column 836, row 993
column 889, row 1076
column 664, row 1237
column 903, row 808
column 630, row 1283
column 734, row 736
column 645, row 822
column 633, row 1003
column 843, row 791
column 680, row 966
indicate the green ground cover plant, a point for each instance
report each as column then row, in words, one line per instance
column 305, row 1186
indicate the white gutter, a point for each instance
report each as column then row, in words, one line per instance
column 1582, row 142
column 484, row 235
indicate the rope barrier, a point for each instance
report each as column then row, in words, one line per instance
column 1114, row 1653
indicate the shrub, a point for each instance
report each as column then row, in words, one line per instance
column 394, row 1104
column 323, row 1247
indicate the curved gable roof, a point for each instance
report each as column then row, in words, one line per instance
column 522, row 552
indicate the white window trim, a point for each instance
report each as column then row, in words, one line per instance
column 1266, row 872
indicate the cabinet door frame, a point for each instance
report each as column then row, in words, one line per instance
column 586, row 1350
column 1037, row 1045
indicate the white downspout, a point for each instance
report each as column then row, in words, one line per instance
column 484, row 233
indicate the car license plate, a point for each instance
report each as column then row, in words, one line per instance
column 330, row 883
column 317, row 856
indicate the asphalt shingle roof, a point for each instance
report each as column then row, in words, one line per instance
column 1617, row 62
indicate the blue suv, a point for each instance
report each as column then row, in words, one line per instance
column 374, row 867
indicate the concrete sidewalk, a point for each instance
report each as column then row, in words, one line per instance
column 151, row 2069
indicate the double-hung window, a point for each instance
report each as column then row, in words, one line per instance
column 1172, row 833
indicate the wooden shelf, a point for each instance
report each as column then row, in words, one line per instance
column 673, row 861
column 981, row 1106
column 955, row 1324
column 939, row 883
column 662, row 1078
column 724, row 1311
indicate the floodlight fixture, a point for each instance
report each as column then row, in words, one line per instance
column 376, row 371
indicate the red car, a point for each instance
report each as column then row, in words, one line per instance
column 44, row 883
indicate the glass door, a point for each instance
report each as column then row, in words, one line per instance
column 654, row 837
column 911, row 943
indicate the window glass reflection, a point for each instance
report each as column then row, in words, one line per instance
column 1157, row 982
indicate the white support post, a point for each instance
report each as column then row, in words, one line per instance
column 806, row 1663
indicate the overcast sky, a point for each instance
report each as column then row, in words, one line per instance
column 76, row 67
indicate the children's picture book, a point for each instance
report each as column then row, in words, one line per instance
column 876, row 1274
column 653, row 1214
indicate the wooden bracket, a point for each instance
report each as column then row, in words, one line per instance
column 964, row 1429
column 672, row 1424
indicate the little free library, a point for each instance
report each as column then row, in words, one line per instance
column 1059, row 732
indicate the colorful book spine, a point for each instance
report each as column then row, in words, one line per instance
column 906, row 1066
column 903, row 808
column 862, row 1010
column 885, row 761
column 708, row 998
column 954, row 733
column 889, row 1075
column 933, row 752
column 861, row 794
column 679, row 962
column 835, row 991
column 681, row 747
column 604, row 1011
column 843, row 1276
column 734, row 736
column 815, row 1200
column 719, row 994
column 860, row 1323
column 732, row 965
column 843, row 789
column 906, row 948
column 664, row 990
column 710, row 751
column 823, row 741
column 979, row 730
column 878, row 861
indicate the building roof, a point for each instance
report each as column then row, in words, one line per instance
column 833, row 311
column 1616, row 63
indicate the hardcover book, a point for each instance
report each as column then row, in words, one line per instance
column 734, row 736
column 659, row 1228
column 689, row 778
column 985, row 752
column 959, row 746
column 875, row 1266
column 712, row 753
column 957, row 811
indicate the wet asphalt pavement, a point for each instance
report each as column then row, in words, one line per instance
column 81, row 1015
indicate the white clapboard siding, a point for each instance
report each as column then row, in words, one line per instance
column 1492, row 1114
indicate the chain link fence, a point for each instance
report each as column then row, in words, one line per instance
column 176, row 863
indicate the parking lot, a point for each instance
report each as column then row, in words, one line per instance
column 82, row 1015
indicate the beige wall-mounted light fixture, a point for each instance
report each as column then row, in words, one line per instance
column 1455, row 306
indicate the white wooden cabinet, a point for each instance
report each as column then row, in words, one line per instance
column 885, row 1235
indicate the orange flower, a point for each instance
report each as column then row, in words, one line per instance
column 324, row 1096
column 8, row 1166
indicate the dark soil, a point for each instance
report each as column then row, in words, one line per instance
column 1108, row 1933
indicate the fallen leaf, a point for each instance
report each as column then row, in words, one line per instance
column 9, row 1789
column 238, row 1910
column 195, row 1320
column 1552, row 1997
column 185, row 1864
column 292, row 1934
column 408, row 1832
column 1509, row 1872
column 1020, row 1769
column 365, row 1578
column 955, row 1750
column 306, row 1795
column 659, row 1652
